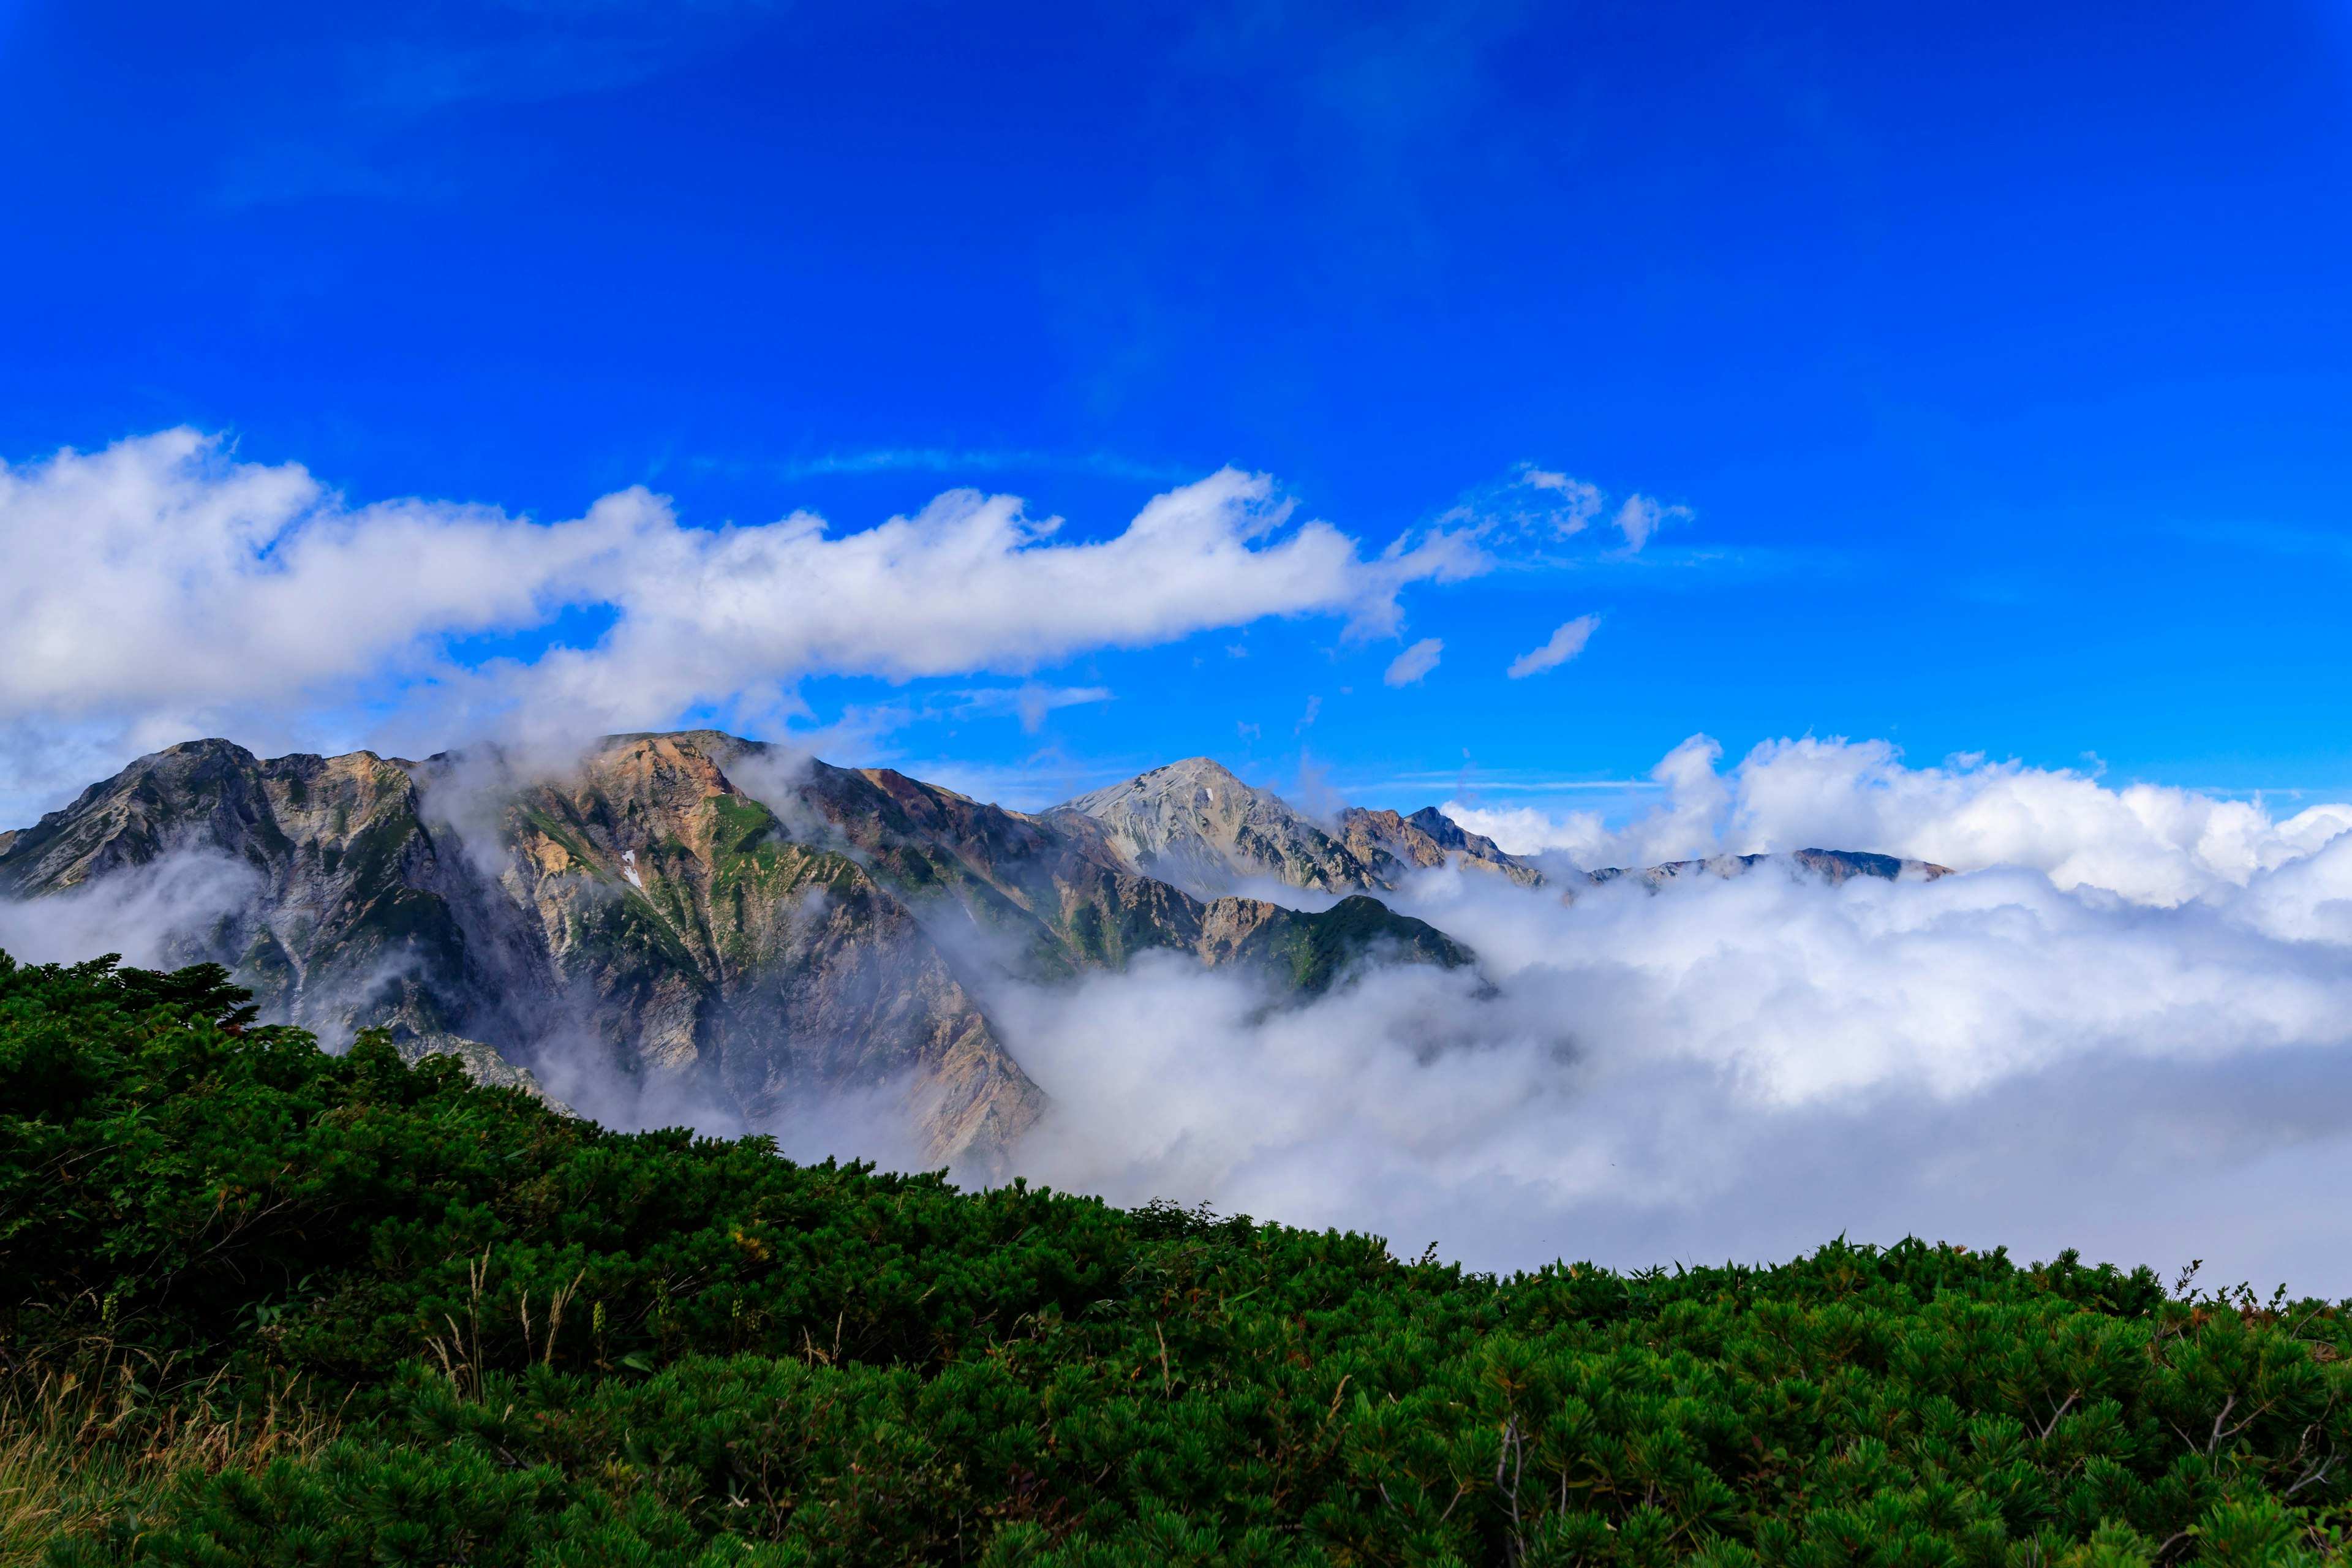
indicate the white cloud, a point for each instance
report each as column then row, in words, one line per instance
column 1534, row 511
column 1408, row 668
column 159, row 588
column 1029, row 702
column 1746, row 1067
column 156, row 578
column 152, row 914
column 1565, row 644
column 2150, row 844
column 1640, row 517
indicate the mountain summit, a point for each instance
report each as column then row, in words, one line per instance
column 692, row 926
column 634, row 918
column 1198, row 826
column 698, row 923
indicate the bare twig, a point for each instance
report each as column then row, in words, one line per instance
column 2317, row 1473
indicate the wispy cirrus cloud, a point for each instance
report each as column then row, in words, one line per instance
column 1536, row 516
column 1409, row 668
column 1564, row 645
column 958, row 460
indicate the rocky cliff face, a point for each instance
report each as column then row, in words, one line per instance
column 1196, row 824
column 716, row 921
column 640, row 910
column 683, row 924
column 333, row 900
column 1046, row 897
column 727, row 925
column 1395, row 844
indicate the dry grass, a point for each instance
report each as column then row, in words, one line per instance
column 79, row 1451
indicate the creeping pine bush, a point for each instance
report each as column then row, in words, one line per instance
column 512, row 1337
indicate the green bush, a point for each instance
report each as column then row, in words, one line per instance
column 541, row 1343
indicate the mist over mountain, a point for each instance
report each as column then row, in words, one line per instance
column 1043, row 688
column 1196, row 824
column 662, row 942
column 1184, row 985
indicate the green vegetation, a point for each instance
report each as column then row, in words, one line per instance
column 263, row 1305
column 1314, row 950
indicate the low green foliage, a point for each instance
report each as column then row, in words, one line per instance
column 540, row 1342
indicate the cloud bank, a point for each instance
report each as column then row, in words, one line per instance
column 160, row 588
column 2148, row 843
column 2125, row 1027
column 2122, row 1025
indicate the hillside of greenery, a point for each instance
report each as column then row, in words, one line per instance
column 260, row 1304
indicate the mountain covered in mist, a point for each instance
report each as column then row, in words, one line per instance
column 1195, row 825
column 640, row 916
column 696, row 926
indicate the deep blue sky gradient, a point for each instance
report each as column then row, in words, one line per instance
column 2002, row 352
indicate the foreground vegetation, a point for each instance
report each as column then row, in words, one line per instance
column 263, row 1305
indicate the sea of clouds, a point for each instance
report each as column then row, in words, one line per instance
column 2121, row 1026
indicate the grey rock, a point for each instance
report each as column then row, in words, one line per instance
column 482, row 1063
column 1196, row 824
column 640, row 909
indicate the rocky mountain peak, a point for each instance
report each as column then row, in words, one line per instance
column 1197, row 824
column 710, row 920
column 204, row 794
column 1395, row 844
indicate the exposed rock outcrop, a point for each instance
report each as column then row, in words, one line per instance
column 639, row 902
column 680, row 917
column 1197, row 824
column 1395, row 844
column 739, row 925
column 1046, row 897
column 644, row 914
column 483, row 1064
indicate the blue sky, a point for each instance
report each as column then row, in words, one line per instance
column 2001, row 356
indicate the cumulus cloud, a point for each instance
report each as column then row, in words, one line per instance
column 2151, row 844
column 159, row 588
column 1408, row 668
column 1565, row 644
column 1743, row 1067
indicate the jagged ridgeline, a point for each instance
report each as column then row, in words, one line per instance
column 717, row 923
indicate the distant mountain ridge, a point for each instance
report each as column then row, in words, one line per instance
column 731, row 925
column 1833, row 866
column 1197, row 824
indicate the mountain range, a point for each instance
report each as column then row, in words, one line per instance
column 720, row 926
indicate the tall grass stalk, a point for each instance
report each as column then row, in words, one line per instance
column 78, row 1454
